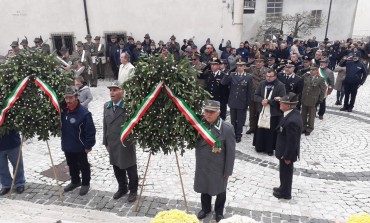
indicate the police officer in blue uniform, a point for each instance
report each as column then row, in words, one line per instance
column 213, row 85
column 240, row 95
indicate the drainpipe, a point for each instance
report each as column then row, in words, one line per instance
column 86, row 18
column 327, row 23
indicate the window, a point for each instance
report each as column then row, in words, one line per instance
column 62, row 39
column 274, row 9
column 316, row 17
column 249, row 6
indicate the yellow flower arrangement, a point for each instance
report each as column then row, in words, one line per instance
column 174, row 216
column 359, row 218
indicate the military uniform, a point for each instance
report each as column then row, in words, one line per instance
column 239, row 98
column 214, row 166
column 99, row 54
column 216, row 89
column 85, row 57
column 314, row 90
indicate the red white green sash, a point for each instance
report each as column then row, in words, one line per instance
column 17, row 91
column 184, row 108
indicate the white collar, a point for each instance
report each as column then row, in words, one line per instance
column 287, row 112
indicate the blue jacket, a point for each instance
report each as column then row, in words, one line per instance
column 10, row 141
column 78, row 130
column 356, row 72
column 243, row 53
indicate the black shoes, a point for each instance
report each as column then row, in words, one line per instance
column 71, row 187
column 84, row 190
column 270, row 153
column 250, row 131
column 276, row 189
column 238, row 139
column 349, row 110
column 119, row 193
column 344, row 109
column 132, row 197
column 202, row 214
column 321, row 117
column 338, row 103
column 19, row 189
column 307, row 133
column 278, row 195
column 4, row 191
column 219, row 217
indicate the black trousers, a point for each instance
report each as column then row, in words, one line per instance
column 238, row 117
column 206, row 200
column 350, row 90
column 115, row 68
column 340, row 95
column 223, row 108
column 286, row 177
column 122, row 178
column 77, row 162
column 322, row 108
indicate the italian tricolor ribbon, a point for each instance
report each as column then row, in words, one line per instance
column 144, row 106
column 183, row 107
column 49, row 92
column 323, row 75
column 194, row 120
column 13, row 97
column 19, row 88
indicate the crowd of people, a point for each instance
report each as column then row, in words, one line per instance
column 282, row 83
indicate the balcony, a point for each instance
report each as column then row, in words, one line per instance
column 249, row 6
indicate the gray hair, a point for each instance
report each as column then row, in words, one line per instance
column 128, row 57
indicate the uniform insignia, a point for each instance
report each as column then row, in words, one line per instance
column 70, row 62
column 216, row 150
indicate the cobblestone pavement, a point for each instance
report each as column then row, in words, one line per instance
column 331, row 181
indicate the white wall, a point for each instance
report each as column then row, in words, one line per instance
column 341, row 19
column 185, row 19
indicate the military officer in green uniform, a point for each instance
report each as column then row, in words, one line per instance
column 214, row 165
column 99, row 53
column 85, row 58
column 314, row 91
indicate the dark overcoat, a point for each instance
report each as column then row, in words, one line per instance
column 211, row 167
column 122, row 155
column 288, row 140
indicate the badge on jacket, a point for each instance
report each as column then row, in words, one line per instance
column 216, row 150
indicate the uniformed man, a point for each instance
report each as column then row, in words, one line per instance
column 174, row 48
column 14, row 51
column 240, row 96
column 214, row 165
column 122, row 155
column 293, row 83
column 258, row 72
column 314, row 90
column 99, row 53
column 199, row 66
column 72, row 62
column 305, row 66
column 213, row 79
column 295, row 60
column 224, row 66
column 85, row 57
column 39, row 44
column 89, row 45
column 271, row 62
column 328, row 76
column 24, row 43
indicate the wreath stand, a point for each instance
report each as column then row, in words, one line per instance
column 142, row 185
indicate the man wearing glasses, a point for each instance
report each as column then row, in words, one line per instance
column 215, row 164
